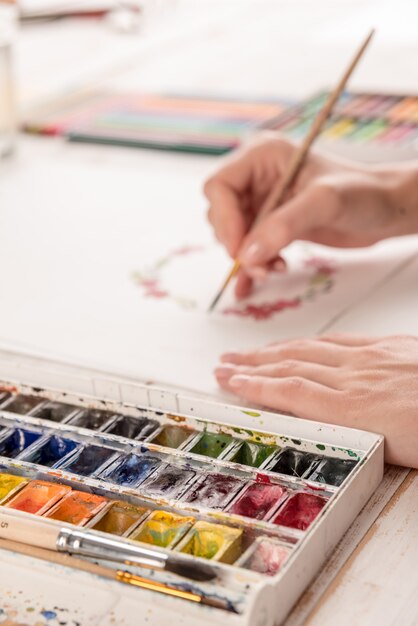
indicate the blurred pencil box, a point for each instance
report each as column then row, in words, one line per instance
column 367, row 127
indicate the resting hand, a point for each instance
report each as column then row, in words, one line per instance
column 362, row 382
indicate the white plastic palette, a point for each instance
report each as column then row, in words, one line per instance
column 256, row 599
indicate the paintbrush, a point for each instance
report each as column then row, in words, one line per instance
column 280, row 190
column 118, row 575
column 24, row 528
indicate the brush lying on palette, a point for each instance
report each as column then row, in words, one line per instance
column 241, row 503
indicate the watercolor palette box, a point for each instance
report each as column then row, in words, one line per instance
column 364, row 126
column 263, row 497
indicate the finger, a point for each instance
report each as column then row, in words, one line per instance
column 225, row 192
column 278, row 264
column 353, row 341
column 295, row 395
column 322, row 374
column 226, row 216
column 311, row 350
column 246, row 279
column 243, row 286
column 303, row 212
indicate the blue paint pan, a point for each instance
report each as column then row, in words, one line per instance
column 14, row 442
column 131, row 470
column 51, row 452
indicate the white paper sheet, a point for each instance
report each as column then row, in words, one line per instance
column 395, row 305
column 76, row 231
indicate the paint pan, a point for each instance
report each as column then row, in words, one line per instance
column 214, row 491
column 332, row 471
column 23, row 404
column 172, row 436
column 90, row 460
column 118, row 518
column 132, row 427
column 4, row 395
column 77, row 508
column 258, row 500
column 54, row 411
column 252, row 454
column 214, row 445
column 168, row 481
column 93, row 419
column 131, row 470
column 13, row 443
column 264, row 556
column 38, row 497
column 300, row 510
column 213, row 541
column 10, row 484
column 163, row 529
column 293, row 462
column 51, row 452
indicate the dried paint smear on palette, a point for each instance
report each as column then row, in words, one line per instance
column 181, row 123
column 181, row 484
column 358, row 118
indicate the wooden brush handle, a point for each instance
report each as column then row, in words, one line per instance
column 27, row 529
column 56, row 557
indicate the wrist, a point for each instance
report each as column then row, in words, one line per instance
column 400, row 185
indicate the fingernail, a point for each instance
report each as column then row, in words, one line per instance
column 280, row 265
column 238, row 381
column 225, row 371
column 253, row 254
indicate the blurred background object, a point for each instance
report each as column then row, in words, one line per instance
column 8, row 26
column 41, row 9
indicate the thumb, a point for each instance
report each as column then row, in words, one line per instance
column 284, row 225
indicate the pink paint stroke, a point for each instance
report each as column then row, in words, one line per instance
column 263, row 311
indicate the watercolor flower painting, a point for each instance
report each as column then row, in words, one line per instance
column 320, row 280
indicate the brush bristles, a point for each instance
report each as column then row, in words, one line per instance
column 194, row 571
column 215, row 301
column 232, row 273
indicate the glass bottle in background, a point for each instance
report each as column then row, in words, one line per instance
column 8, row 117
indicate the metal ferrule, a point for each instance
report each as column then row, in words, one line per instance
column 97, row 547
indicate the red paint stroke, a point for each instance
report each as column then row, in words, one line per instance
column 265, row 310
column 148, row 283
column 323, row 267
column 156, row 293
column 152, row 289
column 187, row 250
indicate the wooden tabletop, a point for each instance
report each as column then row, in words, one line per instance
column 371, row 577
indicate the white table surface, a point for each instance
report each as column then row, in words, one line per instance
column 284, row 48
